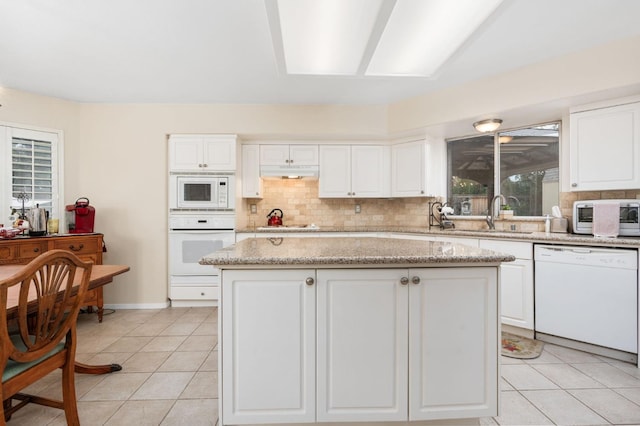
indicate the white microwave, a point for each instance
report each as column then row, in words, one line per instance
column 198, row 191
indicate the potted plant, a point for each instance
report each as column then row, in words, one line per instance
column 505, row 212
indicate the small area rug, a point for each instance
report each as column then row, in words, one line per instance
column 520, row 347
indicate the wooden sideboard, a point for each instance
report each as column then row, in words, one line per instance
column 87, row 247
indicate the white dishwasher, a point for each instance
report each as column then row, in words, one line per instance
column 587, row 294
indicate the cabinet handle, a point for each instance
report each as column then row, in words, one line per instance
column 573, row 185
column 422, row 191
column 74, row 248
column 291, row 161
column 404, row 280
column 35, row 250
column 309, row 281
column 415, row 280
column 205, row 165
column 199, row 165
column 202, row 294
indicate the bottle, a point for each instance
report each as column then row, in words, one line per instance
column 547, row 224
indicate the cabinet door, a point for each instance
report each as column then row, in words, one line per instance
column 370, row 171
column 274, row 155
column 303, row 155
column 335, row 171
column 268, row 346
column 185, row 153
column 251, row 182
column 605, row 148
column 219, row 153
column 516, row 282
column 516, row 293
column 362, row 337
column 453, row 343
column 408, row 173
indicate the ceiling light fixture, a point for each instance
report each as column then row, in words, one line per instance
column 372, row 37
column 490, row 125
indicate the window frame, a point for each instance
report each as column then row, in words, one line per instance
column 7, row 132
column 496, row 164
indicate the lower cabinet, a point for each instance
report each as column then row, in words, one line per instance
column 516, row 282
column 358, row 345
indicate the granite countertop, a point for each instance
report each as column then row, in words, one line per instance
column 365, row 251
column 534, row 237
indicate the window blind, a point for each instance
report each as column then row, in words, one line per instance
column 32, row 170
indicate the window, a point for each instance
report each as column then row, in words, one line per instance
column 30, row 172
column 526, row 173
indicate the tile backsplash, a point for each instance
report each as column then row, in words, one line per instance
column 298, row 199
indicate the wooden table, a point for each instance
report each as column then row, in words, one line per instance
column 100, row 275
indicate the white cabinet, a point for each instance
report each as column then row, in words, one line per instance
column 605, row 148
column 288, row 155
column 354, row 171
column 418, row 169
column 393, row 344
column 516, row 282
column 453, row 343
column 362, row 330
column 268, row 346
column 202, row 153
column 251, row 182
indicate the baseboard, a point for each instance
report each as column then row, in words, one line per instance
column 587, row 347
column 138, row 305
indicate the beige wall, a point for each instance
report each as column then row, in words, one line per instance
column 116, row 154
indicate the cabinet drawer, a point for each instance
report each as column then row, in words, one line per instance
column 29, row 250
column 520, row 250
column 194, row 293
column 79, row 246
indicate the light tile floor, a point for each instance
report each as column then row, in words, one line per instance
column 169, row 377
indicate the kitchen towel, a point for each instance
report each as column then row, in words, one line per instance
column 606, row 219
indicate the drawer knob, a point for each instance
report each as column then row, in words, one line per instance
column 415, row 280
column 404, row 280
column 309, row 281
column 74, row 248
column 202, row 294
column 35, row 250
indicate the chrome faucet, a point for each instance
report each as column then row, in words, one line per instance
column 490, row 215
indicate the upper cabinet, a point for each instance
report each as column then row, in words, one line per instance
column 354, row 171
column 251, row 182
column 417, row 169
column 605, row 148
column 202, row 153
column 288, row 155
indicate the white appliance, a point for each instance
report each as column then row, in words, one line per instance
column 201, row 191
column 629, row 216
column 192, row 236
column 588, row 295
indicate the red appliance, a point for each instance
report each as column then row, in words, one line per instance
column 274, row 219
column 80, row 216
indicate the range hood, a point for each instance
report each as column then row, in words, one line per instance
column 289, row 172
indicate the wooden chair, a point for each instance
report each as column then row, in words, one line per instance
column 41, row 337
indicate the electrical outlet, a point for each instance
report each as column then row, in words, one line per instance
column 254, row 209
column 357, row 208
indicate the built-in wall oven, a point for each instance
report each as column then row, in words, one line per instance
column 193, row 235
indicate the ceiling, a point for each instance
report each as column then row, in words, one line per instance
column 220, row 51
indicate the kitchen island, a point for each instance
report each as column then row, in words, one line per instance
column 331, row 330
